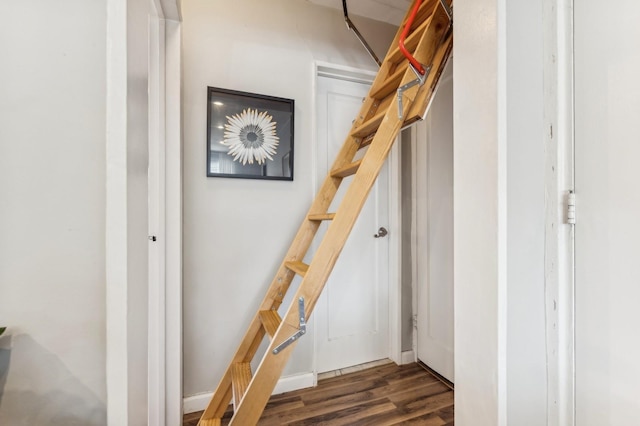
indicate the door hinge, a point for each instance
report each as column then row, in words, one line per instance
column 415, row 320
column 571, row 208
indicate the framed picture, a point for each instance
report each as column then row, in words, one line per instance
column 249, row 136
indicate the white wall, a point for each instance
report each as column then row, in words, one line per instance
column 235, row 230
column 126, row 210
column 526, row 351
column 607, row 64
column 137, row 205
column 52, row 212
column 499, row 213
column 479, row 214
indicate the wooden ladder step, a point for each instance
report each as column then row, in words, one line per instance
column 347, row 170
column 321, row 217
column 370, row 126
column 410, row 43
column 270, row 321
column 240, row 378
column 424, row 12
column 391, row 83
column 366, row 141
column 210, row 422
column 298, row 267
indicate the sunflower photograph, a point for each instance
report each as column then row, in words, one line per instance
column 249, row 135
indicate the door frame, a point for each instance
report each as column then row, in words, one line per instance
column 421, row 153
column 558, row 81
column 164, row 399
column 326, row 69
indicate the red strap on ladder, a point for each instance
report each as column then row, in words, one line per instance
column 413, row 61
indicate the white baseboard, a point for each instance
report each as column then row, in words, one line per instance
column 407, row 357
column 294, row 382
column 194, row 403
column 199, row 402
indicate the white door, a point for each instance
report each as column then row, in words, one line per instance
column 434, row 236
column 607, row 149
column 352, row 315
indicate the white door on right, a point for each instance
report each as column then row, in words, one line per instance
column 607, row 149
column 434, row 236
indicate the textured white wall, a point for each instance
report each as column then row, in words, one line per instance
column 236, row 230
column 52, row 212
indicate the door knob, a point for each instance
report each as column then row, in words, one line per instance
column 382, row 232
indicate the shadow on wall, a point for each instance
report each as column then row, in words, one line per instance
column 36, row 388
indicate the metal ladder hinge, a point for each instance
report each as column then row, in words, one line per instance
column 298, row 334
column 420, row 79
column 571, row 208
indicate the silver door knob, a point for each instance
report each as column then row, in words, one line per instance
column 382, row 232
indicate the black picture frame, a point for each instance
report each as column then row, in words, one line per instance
column 249, row 136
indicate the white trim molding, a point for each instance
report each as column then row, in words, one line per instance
column 559, row 236
column 173, row 222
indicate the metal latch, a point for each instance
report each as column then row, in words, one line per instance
column 298, row 334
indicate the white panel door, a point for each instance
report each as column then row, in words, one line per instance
column 607, row 125
column 434, row 239
column 352, row 315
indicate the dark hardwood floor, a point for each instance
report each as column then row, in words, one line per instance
column 383, row 395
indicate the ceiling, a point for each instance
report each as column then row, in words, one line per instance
column 390, row 11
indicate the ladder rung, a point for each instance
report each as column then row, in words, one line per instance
column 240, row 377
column 424, row 13
column 348, row 170
column 370, row 126
column 270, row 321
column 366, row 141
column 297, row 267
column 210, row 422
column 410, row 43
column 391, row 83
column 320, row 217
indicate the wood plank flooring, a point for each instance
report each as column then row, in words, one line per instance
column 383, row 395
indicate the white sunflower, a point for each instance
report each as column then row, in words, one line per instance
column 251, row 136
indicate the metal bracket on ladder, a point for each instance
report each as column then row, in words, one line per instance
column 420, row 79
column 447, row 9
column 298, row 334
column 416, row 66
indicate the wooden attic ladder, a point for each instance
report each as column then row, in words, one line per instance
column 427, row 32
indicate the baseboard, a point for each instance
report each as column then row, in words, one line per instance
column 199, row 402
column 294, row 382
column 407, row 357
column 196, row 403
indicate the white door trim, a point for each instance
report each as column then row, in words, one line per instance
column 165, row 162
column 156, row 378
column 325, row 69
column 173, row 221
column 559, row 236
